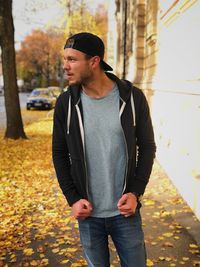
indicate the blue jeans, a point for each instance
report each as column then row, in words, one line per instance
column 127, row 236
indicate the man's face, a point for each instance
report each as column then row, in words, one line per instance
column 77, row 67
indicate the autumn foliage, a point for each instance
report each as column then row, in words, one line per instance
column 39, row 58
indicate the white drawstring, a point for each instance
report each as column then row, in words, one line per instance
column 81, row 126
column 133, row 109
column 122, row 108
column 69, row 114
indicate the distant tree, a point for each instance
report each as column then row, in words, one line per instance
column 14, row 128
column 39, row 56
column 80, row 17
column 56, row 54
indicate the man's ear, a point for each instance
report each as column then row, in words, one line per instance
column 95, row 61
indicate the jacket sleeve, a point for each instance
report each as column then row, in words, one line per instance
column 60, row 154
column 146, row 147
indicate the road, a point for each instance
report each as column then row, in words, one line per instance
column 22, row 97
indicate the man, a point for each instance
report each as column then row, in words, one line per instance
column 103, row 151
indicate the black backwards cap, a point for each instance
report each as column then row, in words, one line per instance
column 89, row 44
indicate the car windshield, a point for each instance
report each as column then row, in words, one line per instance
column 39, row 93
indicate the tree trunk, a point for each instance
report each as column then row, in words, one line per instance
column 14, row 128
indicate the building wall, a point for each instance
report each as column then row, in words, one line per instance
column 1, row 73
column 158, row 50
column 176, row 98
column 112, row 36
column 0, row 68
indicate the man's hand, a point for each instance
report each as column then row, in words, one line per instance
column 127, row 204
column 81, row 209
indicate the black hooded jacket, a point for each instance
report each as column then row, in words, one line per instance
column 68, row 141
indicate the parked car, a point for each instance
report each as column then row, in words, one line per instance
column 41, row 98
column 56, row 91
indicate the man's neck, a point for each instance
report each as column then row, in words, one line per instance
column 99, row 87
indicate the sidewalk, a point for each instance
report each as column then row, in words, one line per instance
column 172, row 231
column 39, row 231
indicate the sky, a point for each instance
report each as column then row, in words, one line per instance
column 27, row 18
column 29, row 15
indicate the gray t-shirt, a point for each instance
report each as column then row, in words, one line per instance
column 105, row 152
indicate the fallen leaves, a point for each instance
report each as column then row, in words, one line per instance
column 64, row 261
column 149, row 202
column 36, row 224
column 193, row 246
column 28, row 251
column 149, row 263
column 168, row 243
column 168, row 234
column 164, row 258
column 32, row 204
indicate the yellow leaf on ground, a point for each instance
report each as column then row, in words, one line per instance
column 34, row 263
column 193, row 246
column 149, row 263
column 64, row 261
column 149, row 202
column 28, row 251
column 45, row 261
column 13, row 256
column 176, row 237
column 71, row 250
column 168, row 234
column 55, row 250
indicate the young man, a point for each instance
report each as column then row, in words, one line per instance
column 103, row 151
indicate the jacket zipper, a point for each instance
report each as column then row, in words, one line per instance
column 83, row 142
column 126, row 170
column 134, row 124
column 126, row 147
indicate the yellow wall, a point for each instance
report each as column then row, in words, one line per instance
column 176, row 99
column 163, row 58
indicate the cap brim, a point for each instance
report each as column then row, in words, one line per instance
column 106, row 66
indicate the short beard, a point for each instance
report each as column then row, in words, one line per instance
column 86, row 78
